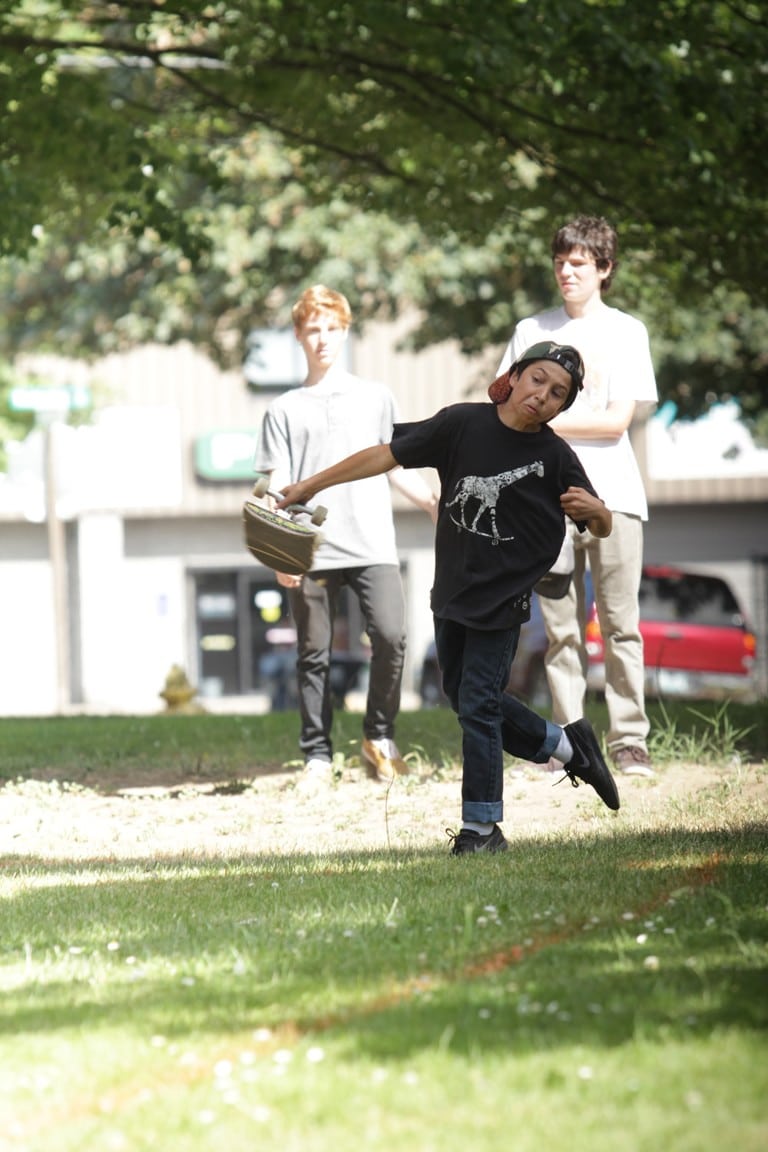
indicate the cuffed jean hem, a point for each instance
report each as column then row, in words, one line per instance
column 554, row 732
column 482, row 813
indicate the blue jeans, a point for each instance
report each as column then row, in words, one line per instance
column 379, row 590
column 475, row 668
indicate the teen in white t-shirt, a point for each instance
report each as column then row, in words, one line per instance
column 619, row 381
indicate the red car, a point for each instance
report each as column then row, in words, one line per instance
column 696, row 641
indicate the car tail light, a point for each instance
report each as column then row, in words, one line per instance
column 594, row 637
column 750, row 649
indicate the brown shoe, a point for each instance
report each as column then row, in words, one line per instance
column 384, row 759
column 633, row 761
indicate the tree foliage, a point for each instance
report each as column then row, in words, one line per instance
column 169, row 167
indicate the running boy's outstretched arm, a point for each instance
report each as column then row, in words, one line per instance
column 582, row 505
column 369, row 462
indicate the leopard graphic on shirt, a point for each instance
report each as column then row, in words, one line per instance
column 486, row 491
column 490, row 475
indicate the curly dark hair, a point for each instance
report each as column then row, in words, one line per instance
column 595, row 236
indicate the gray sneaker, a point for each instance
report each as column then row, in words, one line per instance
column 632, row 761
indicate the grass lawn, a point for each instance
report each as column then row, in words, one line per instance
column 599, row 987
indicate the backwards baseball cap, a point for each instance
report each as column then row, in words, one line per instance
column 563, row 354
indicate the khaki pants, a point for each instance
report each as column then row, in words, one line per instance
column 615, row 563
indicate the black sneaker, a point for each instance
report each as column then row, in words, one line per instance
column 468, row 841
column 588, row 763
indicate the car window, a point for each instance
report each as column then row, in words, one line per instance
column 689, row 599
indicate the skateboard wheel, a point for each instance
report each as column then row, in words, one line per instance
column 319, row 515
column 261, row 487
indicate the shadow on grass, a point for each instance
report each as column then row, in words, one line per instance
column 552, row 943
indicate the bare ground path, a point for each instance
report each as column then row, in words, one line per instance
column 268, row 814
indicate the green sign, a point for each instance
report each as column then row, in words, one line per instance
column 50, row 399
column 226, row 455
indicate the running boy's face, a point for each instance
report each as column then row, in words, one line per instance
column 538, row 394
column 321, row 337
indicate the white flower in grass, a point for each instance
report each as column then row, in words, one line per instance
column 158, row 1041
column 491, row 908
column 315, row 1055
column 76, row 950
column 222, row 1070
column 282, row 1056
column 261, row 1114
column 187, row 981
column 207, row 1116
column 585, row 1072
column 262, row 1035
column 411, row 1079
column 641, row 938
column 484, row 1013
column 482, row 921
column 651, row 963
column 348, row 932
column 115, row 1141
column 670, row 931
column 113, row 946
column 627, row 915
column 379, row 1075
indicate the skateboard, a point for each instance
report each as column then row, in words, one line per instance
column 276, row 538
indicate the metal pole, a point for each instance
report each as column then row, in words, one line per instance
column 57, row 553
column 760, row 622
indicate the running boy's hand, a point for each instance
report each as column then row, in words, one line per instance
column 582, row 505
column 300, row 493
column 368, row 462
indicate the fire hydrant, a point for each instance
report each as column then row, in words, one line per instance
column 179, row 694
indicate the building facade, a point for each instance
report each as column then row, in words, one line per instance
column 141, row 565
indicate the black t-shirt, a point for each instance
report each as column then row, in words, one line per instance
column 500, row 526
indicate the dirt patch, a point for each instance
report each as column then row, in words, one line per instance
column 269, row 813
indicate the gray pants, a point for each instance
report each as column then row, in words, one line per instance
column 616, row 564
column 379, row 591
